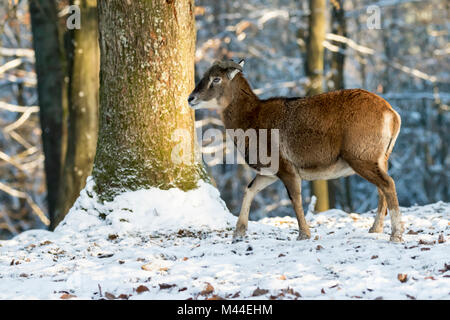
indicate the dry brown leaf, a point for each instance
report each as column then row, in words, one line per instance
column 110, row 296
column 402, row 277
column 67, row 296
column 141, row 289
column 208, row 289
column 259, row 292
column 166, row 286
column 282, row 277
column 428, row 243
column 215, row 297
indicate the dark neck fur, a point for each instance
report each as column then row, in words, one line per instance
column 243, row 105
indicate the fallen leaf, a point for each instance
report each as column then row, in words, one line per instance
column 215, row 297
column 112, row 237
column 141, row 289
column 182, row 289
column 66, row 296
column 373, row 257
column 412, row 232
column 411, row 297
column 282, row 277
column 428, row 243
column 322, row 291
column 123, row 296
column 110, row 296
column 259, row 292
column 281, row 255
column 429, row 278
column 166, row 286
column 319, row 247
column 402, row 277
column 185, row 258
column 208, row 289
column 147, row 267
column 441, row 238
column 291, row 291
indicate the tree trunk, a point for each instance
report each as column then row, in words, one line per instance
column 314, row 71
column 50, row 81
column 146, row 74
column 83, row 109
column 339, row 27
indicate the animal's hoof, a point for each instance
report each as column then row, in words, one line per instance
column 238, row 235
column 376, row 229
column 237, row 239
column 396, row 238
column 303, row 236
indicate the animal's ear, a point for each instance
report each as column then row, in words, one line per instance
column 232, row 73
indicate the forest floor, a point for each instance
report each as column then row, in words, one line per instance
column 154, row 244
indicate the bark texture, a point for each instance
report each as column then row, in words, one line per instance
column 146, row 75
column 314, row 64
column 83, row 108
column 50, row 84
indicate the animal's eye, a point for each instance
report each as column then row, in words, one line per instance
column 217, row 80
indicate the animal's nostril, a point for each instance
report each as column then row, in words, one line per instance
column 190, row 98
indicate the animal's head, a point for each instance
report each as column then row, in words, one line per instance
column 214, row 89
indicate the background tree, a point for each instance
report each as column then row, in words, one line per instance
column 146, row 74
column 50, row 78
column 83, row 73
column 314, row 70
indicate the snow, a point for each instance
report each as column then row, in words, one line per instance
column 156, row 244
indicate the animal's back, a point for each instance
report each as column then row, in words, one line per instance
column 318, row 132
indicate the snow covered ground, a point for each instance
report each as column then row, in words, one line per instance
column 154, row 244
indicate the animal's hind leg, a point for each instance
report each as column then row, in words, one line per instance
column 374, row 173
column 377, row 226
column 259, row 183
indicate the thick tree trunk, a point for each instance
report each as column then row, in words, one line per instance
column 146, row 74
column 50, row 81
column 314, row 70
column 83, row 109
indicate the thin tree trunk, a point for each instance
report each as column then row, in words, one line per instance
column 83, row 109
column 50, row 78
column 338, row 26
column 146, row 74
column 314, row 70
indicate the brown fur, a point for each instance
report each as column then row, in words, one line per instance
column 325, row 136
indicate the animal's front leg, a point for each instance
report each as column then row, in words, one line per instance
column 293, row 186
column 258, row 184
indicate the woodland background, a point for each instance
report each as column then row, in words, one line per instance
column 406, row 62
